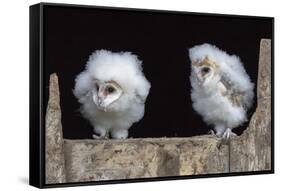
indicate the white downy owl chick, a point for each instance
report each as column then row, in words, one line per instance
column 112, row 91
column 221, row 89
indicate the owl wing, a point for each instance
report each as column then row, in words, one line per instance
column 141, row 90
column 228, row 90
column 83, row 86
column 140, row 98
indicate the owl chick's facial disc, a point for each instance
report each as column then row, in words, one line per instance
column 106, row 93
column 204, row 71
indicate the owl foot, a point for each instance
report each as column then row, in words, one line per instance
column 100, row 133
column 211, row 132
column 228, row 133
column 118, row 133
column 101, row 136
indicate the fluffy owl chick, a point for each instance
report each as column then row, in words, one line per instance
column 221, row 89
column 112, row 91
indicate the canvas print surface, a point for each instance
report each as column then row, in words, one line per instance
column 137, row 94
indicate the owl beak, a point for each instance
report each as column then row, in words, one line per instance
column 99, row 100
column 200, row 79
column 100, row 105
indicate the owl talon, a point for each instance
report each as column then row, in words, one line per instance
column 211, row 132
column 228, row 133
column 100, row 137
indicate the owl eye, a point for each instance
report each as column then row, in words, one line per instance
column 110, row 89
column 98, row 87
column 205, row 70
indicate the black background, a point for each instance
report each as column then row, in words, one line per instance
column 161, row 40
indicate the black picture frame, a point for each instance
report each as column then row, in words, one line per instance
column 38, row 81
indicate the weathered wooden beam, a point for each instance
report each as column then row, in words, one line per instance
column 89, row 160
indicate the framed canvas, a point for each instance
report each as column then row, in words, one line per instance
column 125, row 95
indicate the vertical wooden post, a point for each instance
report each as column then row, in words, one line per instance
column 252, row 150
column 55, row 163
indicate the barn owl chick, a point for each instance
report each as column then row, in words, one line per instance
column 221, row 89
column 112, row 91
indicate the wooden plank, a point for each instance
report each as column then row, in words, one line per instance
column 90, row 160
